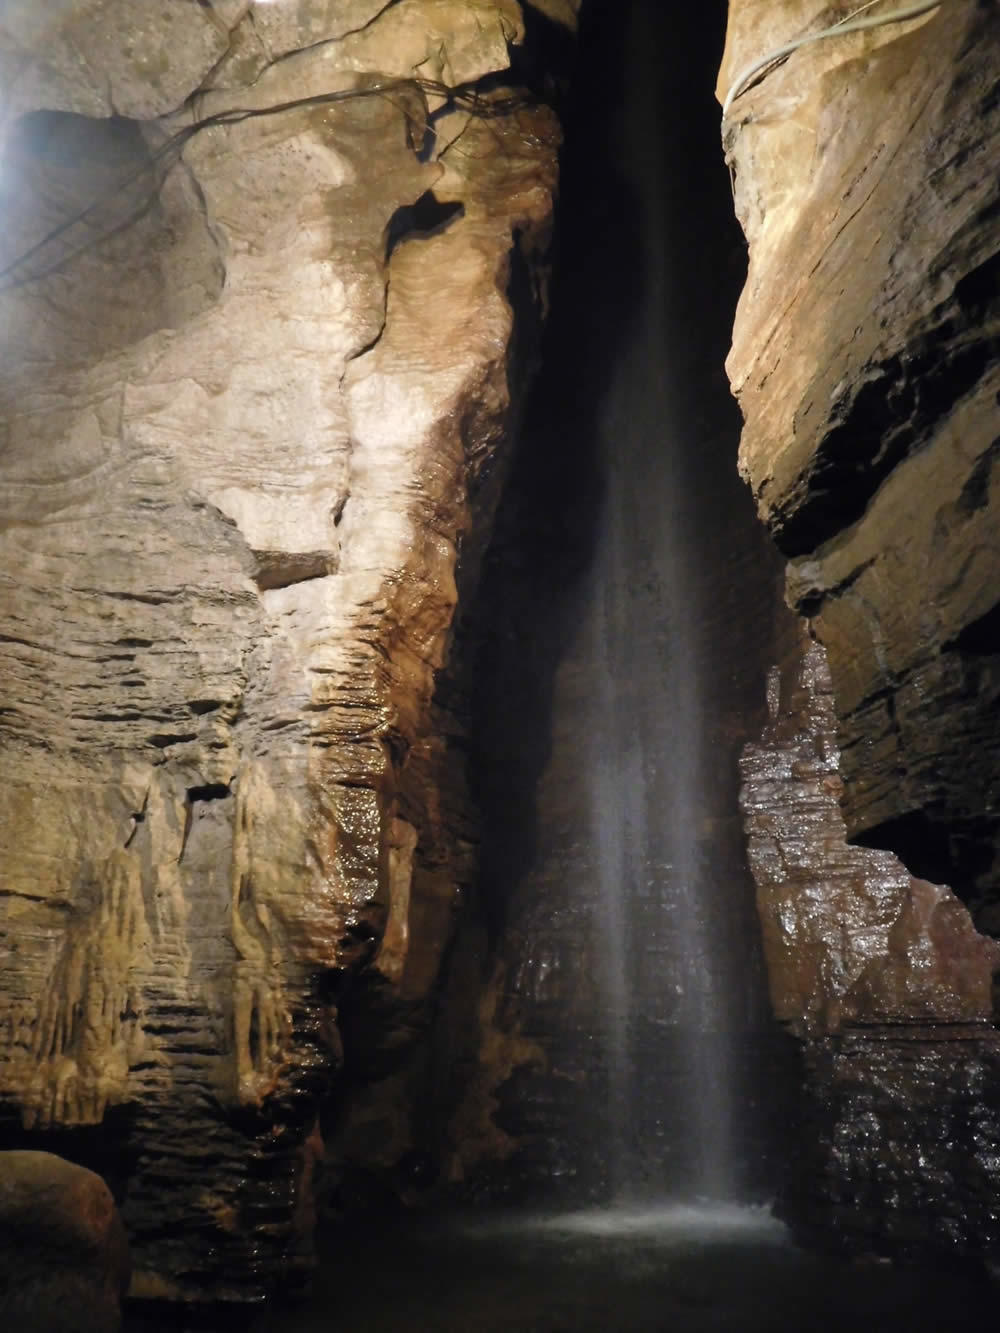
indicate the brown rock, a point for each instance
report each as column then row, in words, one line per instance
column 866, row 358
column 888, row 984
column 850, row 936
column 64, row 1264
column 253, row 403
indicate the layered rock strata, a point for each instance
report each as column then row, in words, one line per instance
column 255, row 388
column 852, row 938
column 866, row 360
column 888, row 987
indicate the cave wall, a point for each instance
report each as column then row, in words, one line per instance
column 865, row 362
column 256, row 402
column 257, row 385
column 888, row 989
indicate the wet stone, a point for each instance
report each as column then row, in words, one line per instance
column 64, row 1263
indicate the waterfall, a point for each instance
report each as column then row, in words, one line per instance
column 631, row 622
column 662, row 977
column 664, row 972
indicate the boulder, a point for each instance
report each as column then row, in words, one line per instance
column 64, row 1263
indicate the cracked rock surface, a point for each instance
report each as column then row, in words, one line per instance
column 240, row 432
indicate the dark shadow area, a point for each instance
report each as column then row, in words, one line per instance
column 425, row 217
column 528, row 1274
column 108, row 1149
column 547, row 524
column 631, row 414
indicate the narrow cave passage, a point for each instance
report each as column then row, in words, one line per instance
column 632, row 611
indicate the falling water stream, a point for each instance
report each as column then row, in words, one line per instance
column 661, row 920
column 642, row 663
column 644, row 778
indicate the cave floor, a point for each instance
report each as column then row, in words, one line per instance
column 682, row 1269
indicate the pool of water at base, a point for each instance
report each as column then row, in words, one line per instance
column 669, row 1269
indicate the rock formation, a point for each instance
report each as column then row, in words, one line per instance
column 257, row 373
column 268, row 276
column 852, row 938
column 865, row 360
column 64, row 1264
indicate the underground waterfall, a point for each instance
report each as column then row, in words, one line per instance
column 443, row 886
column 629, row 612
column 648, row 642
column 632, row 607
column 666, row 952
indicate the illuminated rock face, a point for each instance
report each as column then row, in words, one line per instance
column 255, row 403
column 865, row 360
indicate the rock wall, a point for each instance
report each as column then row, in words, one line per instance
column 865, row 360
column 255, row 395
column 889, row 990
column 852, row 938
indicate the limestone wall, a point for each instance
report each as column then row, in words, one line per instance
column 254, row 382
column 865, row 360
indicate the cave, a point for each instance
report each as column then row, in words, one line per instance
column 499, row 665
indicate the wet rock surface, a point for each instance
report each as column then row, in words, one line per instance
column 255, row 392
column 64, row 1262
column 851, row 937
column 898, row 1155
column 888, row 986
column 867, row 364
column 865, row 359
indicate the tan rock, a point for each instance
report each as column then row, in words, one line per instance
column 241, row 438
column 865, row 361
column 106, row 57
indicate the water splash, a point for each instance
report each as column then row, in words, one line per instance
column 668, row 1224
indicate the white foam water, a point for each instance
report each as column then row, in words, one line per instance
column 683, row 1221
column 666, row 1225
